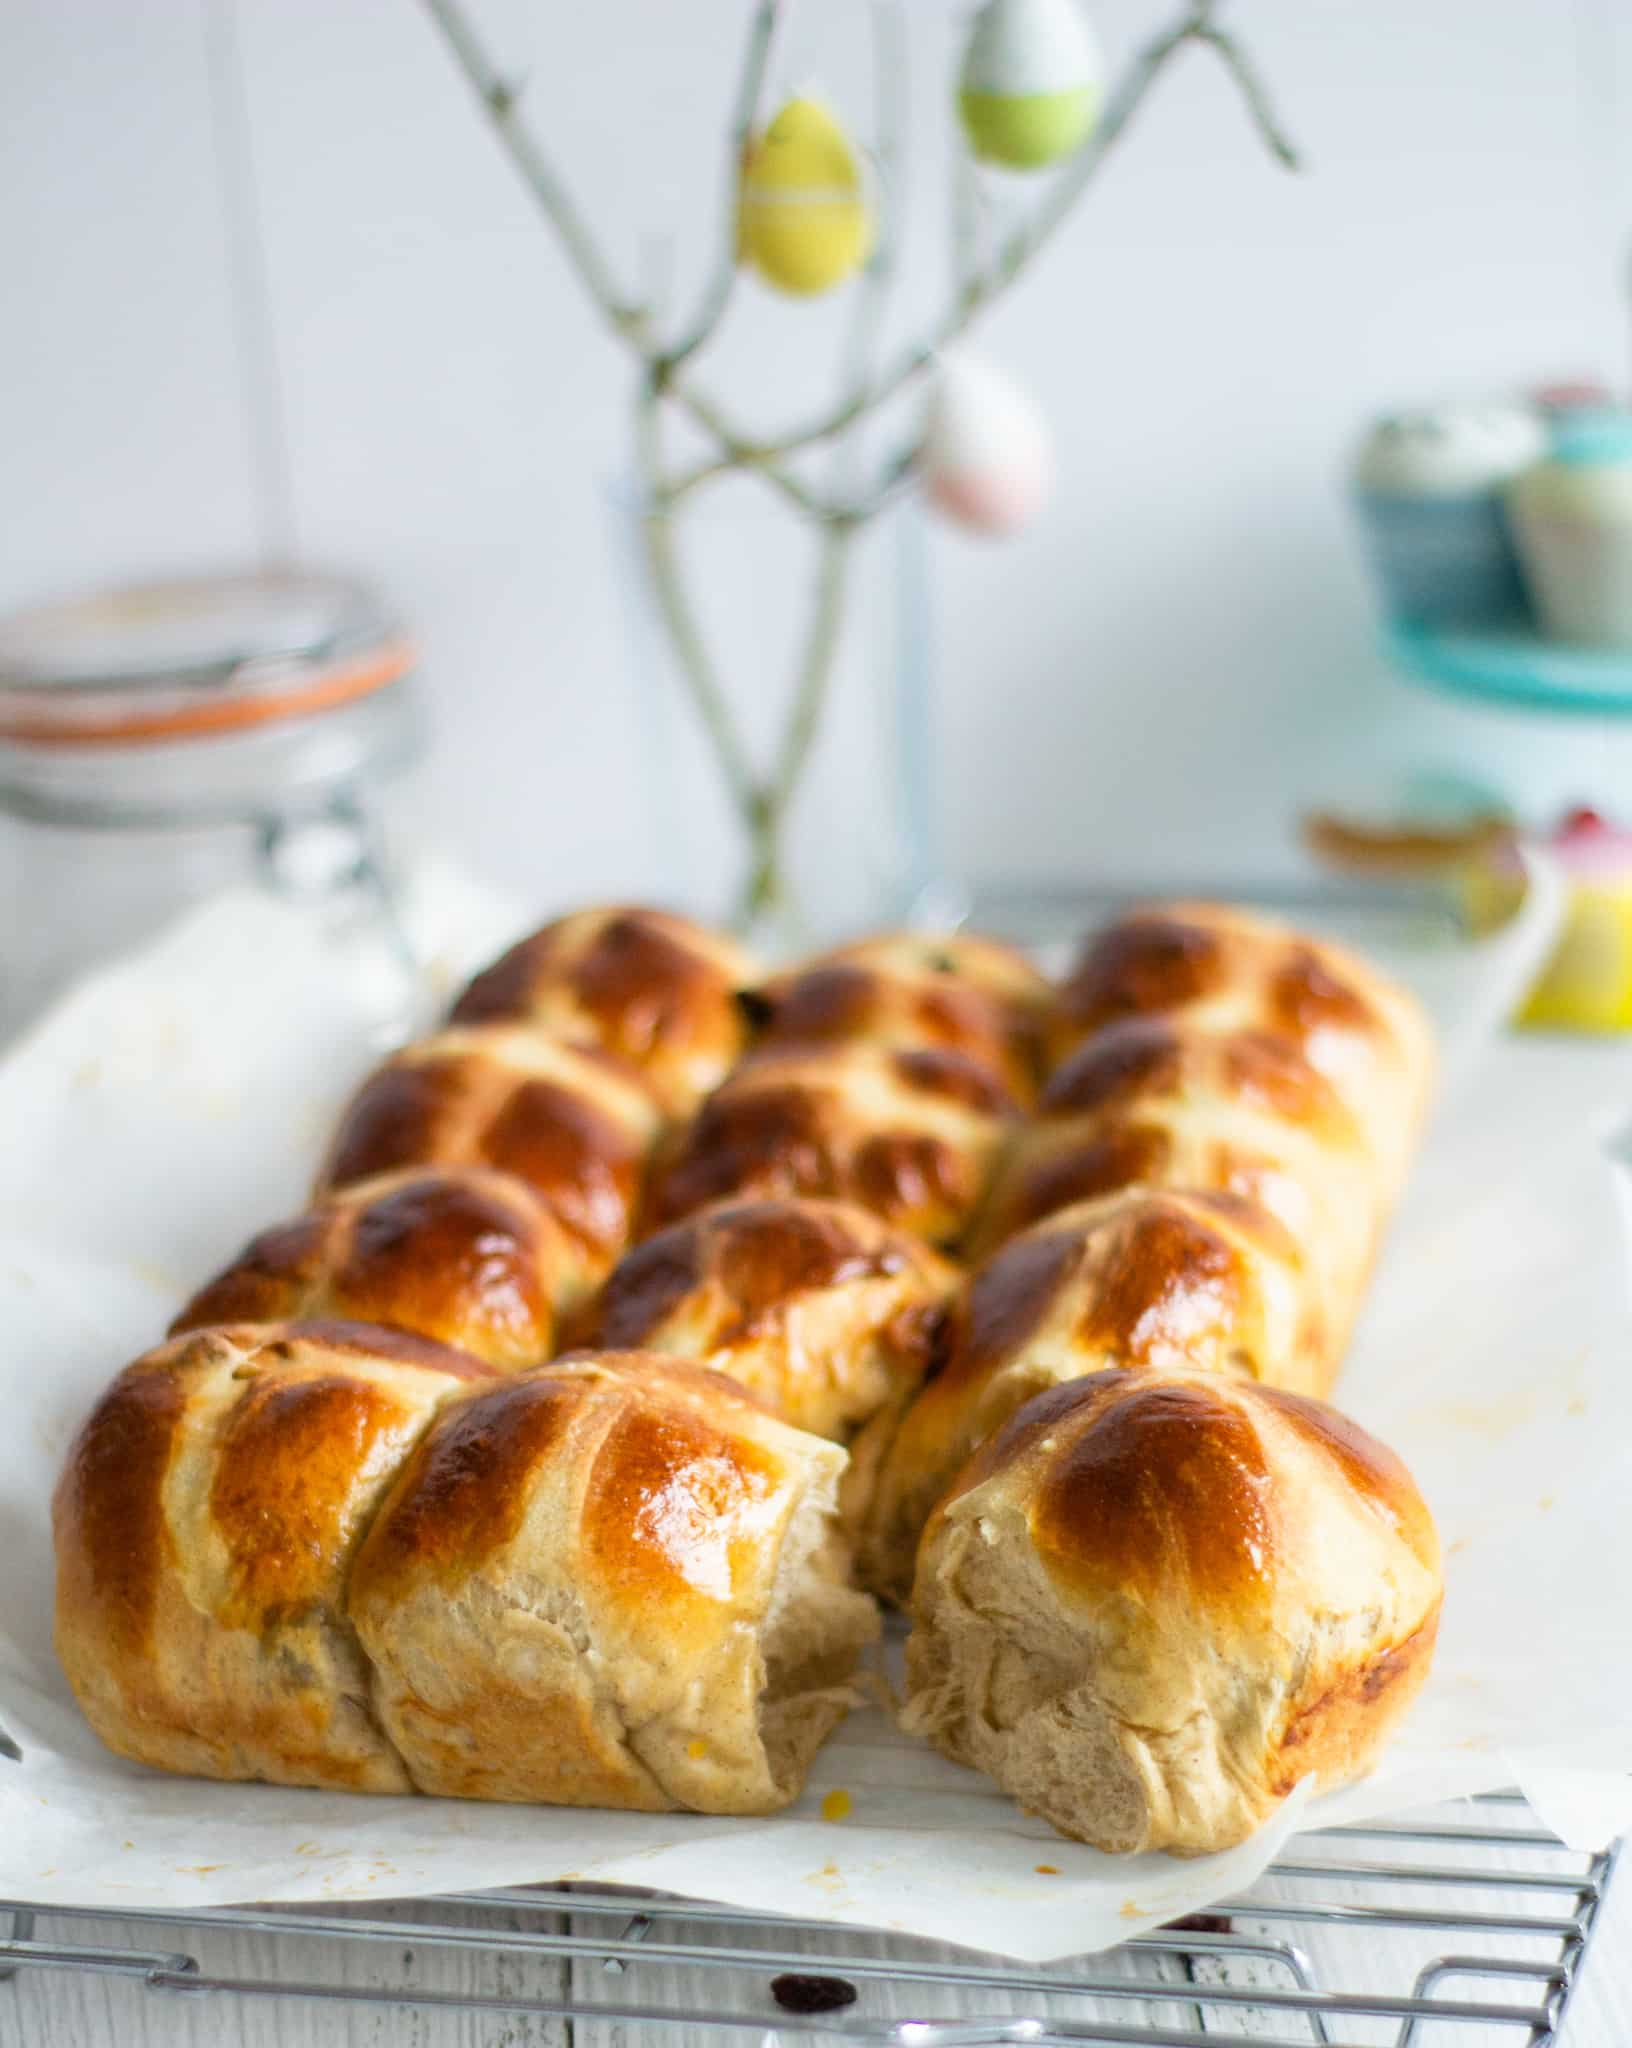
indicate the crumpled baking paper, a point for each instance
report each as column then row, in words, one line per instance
column 179, row 1100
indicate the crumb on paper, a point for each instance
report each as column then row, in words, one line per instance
column 837, row 1804
column 1546, row 1501
column 1456, row 1549
column 197, row 1869
column 1048, row 1870
column 1132, row 1910
column 1492, row 1420
column 1577, row 1405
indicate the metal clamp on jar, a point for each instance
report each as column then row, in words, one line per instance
column 164, row 741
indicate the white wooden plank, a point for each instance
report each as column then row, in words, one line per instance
column 51, row 2009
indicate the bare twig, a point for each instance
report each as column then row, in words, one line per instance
column 890, row 95
column 744, row 119
column 763, row 806
column 685, row 635
column 741, row 454
column 890, row 101
column 966, row 217
column 502, row 98
column 1254, row 93
column 899, row 469
column 624, row 315
column 766, row 883
column 1026, row 241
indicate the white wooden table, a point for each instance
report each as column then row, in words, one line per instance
column 41, row 2009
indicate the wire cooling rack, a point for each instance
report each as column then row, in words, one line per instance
column 1465, row 1926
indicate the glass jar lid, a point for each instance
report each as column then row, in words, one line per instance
column 194, row 657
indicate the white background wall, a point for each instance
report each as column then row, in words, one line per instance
column 1176, row 655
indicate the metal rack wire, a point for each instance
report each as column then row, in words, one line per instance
column 1465, row 1926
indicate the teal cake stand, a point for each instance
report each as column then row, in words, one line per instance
column 1516, row 668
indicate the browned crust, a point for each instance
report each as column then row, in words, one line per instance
column 645, row 985
column 461, row 1255
column 1336, row 1733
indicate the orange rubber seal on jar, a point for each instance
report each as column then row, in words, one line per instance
column 325, row 691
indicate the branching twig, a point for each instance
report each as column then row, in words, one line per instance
column 966, row 217
column 765, row 884
column 627, row 318
column 890, row 96
column 741, row 454
column 696, row 667
column 744, row 119
column 1022, row 246
column 1276, row 140
column 502, row 100
column 763, row 808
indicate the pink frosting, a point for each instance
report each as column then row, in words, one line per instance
column 1587, row 847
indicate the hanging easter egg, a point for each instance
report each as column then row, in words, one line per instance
column 1030, row 89
column 987, row 458
column 803, row 220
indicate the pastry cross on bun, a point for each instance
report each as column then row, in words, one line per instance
column 654, row 989
column 465, row 1255
column 615, row 1580
column 576, row 1126
column 205, row 1523
column 1220, row 969
column 1156, row 1601
column 1145, row 1278
column 906, row 991
column 1161, row 1103
column 821, row 1308
column 911, row 1135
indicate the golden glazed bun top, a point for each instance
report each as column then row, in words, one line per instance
column 576, row 1126
column 656, row 990
column 613, row 1579
column 463, row 1255
column 1145, row 1278
column 204, row 1524
column 911, row 1135
column 1226, row 970
column 1215, row 1588
column 907, row 991
column 822, row 1308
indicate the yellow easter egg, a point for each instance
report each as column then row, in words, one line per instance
column 802, row 216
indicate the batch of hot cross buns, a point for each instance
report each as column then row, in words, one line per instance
column 654, row 1319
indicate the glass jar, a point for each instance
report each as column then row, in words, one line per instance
column 163, row 741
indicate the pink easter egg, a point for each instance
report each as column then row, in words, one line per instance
column 987, row 457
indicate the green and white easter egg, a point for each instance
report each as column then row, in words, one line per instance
column 1030, row 90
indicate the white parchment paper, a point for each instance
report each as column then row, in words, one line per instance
column 178, row 1102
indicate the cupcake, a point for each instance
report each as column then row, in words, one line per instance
column 1572, row 517
column 1428, row 488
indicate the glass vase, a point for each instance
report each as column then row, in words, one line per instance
column 781, row 677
